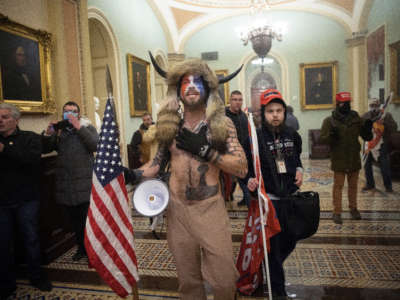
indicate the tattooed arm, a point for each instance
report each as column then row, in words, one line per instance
column 150, row 169
column 234, row 161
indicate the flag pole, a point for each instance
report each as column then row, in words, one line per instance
column 254, row 142
column 135, row 293
column 110, row 94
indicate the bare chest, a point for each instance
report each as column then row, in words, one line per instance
column 192, row 178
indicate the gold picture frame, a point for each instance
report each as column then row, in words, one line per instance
column 223, row 90
column 139, row 85
column 395, row 71
column 25, row 67
column 318, row 85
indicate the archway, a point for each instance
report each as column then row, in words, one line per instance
column 104, row 50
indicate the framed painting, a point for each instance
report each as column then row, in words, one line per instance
column 395, row 71
column 376, row 63
column 223, row 89
column 139, row 85
column 318, row 85
column 25, row 67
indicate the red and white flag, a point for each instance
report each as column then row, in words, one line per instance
column 252, row 251
column 109, row 231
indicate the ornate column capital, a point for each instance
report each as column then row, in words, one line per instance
column 174, row 58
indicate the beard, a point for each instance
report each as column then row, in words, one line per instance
column 275, row 129
column 194, row 104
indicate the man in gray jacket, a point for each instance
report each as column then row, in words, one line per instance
column 75, row 141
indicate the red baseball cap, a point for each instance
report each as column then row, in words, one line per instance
column 343, row 97
column 270, row 94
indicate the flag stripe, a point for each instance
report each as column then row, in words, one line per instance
column 114, row 259
column 108, row 206
column 111, row 236
column 113, row 239
column 99, row 258
column 120, row 192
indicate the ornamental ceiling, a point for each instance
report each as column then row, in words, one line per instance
column 183, row 18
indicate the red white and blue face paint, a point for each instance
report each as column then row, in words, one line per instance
column 192, row 84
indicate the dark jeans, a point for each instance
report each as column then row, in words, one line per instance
column 384, row 165
column 282, row 244
column 77, row 215
column 25, row 216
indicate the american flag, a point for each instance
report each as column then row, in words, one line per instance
column 109, row 231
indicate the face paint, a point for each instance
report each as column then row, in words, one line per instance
column 192, row 84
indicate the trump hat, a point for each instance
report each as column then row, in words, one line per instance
column 343, row 97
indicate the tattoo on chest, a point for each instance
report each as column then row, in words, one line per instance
column 202, row 191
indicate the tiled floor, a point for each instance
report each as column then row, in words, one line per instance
column 356, row 260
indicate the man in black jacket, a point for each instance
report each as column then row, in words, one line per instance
column 282, row 172
column 20, row 153
column 383, row 127
column 141, row 152
column 239, row 119
column 75, row 140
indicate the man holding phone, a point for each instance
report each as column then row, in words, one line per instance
column 75, row 141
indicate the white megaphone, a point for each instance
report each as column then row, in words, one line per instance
column 151, row 197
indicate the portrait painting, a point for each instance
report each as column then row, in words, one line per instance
column 376, row 62
column 25, row 67
column 395, row 71
column 139, row 86
column 318, row 85
column 223, row 89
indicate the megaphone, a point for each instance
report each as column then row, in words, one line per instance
column 151, row 197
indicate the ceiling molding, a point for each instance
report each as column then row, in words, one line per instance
column 347, row 5
column 182, row 17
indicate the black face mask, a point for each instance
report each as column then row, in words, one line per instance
column 344, row 109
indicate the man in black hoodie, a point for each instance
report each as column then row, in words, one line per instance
column 282, row 172
column 239, row 119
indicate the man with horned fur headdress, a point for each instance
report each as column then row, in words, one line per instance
column 197, row 143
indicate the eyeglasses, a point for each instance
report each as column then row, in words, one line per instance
column 71, row 111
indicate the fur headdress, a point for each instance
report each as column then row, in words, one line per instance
column 168, row 120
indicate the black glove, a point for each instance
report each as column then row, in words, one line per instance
column 132, row 176
column 334, row 132
column 195, row 143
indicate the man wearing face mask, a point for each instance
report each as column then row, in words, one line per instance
column 383, row 127
column 197, row 143
column 75, row 141
column 341, row 132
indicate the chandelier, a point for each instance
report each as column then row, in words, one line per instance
column 260, row 33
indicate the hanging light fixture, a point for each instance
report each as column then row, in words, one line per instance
column 260, row 33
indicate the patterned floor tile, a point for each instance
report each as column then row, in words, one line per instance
column 329, row 265
column 376, row 228
column 318, row 266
